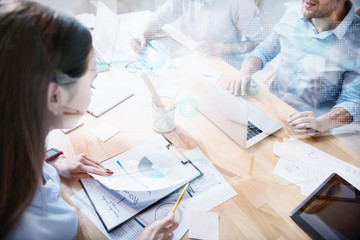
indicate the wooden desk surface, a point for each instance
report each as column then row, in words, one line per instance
column 261, row 208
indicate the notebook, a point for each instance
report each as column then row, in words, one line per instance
column 107, row 93
column 241, row 121
column 332, row 211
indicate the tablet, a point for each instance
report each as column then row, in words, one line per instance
column 332, row 211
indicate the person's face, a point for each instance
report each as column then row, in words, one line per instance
column 320, row 8
column 75, row 98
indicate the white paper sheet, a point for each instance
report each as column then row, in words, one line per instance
column 108, row 93
column 148, row 172
column 204, row 225
column 307, row 166
column 153, row 165
column 105, row 131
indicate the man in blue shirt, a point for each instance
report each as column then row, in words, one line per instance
column 319, row 71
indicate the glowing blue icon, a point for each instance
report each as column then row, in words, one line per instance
column 153, row 56
column 308, row 42
column 188, row 107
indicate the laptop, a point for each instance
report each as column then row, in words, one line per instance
column 237, row 118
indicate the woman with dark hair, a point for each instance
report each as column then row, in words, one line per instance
column 47, row 66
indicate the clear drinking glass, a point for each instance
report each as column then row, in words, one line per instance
column 163, row 119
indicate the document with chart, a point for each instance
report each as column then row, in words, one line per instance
column 142, row 176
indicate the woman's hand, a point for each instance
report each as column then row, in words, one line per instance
column 160, row 230
column 78, row 167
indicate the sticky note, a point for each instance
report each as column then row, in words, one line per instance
column 105, row 131
column 204, row 225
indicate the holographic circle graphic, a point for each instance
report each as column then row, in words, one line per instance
column 188, row 107
column 155, row 166
column 242, row 49
column 308, row 42
column 153, row 56
column 164, row 209
column 252, row 88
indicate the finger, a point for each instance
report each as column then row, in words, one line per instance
column 298, row 115
column 303, row 126
column 292, row 114
column 93, row 161
column 173, row 226
column 170, row 236
column 93, row 170
column 300, row 121
column 230, row 86
column 167, row 221
column 306, row 131
column 135, row 46
column 243, row 86
column 99, row 167
column 237, row 87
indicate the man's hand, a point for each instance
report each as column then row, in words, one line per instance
column 305, row 123
column 160, row 230
column 78, row 167
column 137, row 44
column 239, row 84
column 252, row 65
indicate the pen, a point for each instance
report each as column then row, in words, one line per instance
column 181, row 196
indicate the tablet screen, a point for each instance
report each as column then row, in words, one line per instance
column 332, row 211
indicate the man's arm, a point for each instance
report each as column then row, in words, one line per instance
column 167, row 13
column 262, row 54
column 307, row 123
column 139, row 42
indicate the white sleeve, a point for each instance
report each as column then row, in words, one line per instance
column 245, row 16
column 168, row 12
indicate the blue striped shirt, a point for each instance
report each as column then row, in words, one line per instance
column 48, row 216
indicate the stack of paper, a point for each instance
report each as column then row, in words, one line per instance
column 308, row 167
column 142, row 176
column 203, row 194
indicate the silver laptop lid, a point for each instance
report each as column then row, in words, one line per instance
column 223, row 110
column 232, row 114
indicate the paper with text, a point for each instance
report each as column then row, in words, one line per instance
column 152, row 166
column 142, row 176
column 307, row 166
column 207, row 192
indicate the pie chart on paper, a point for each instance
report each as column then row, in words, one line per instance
column 154, row 166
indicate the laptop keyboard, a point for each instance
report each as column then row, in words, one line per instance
column 252, row 130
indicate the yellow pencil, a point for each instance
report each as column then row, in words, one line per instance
column 181, row 196
column 173, row 100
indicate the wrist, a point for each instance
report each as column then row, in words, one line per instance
column 322, row 124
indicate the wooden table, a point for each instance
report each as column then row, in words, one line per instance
column 261, row 208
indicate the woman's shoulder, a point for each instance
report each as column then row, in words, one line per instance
column 48, row 216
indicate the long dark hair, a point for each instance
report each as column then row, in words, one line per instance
column 35, row 43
